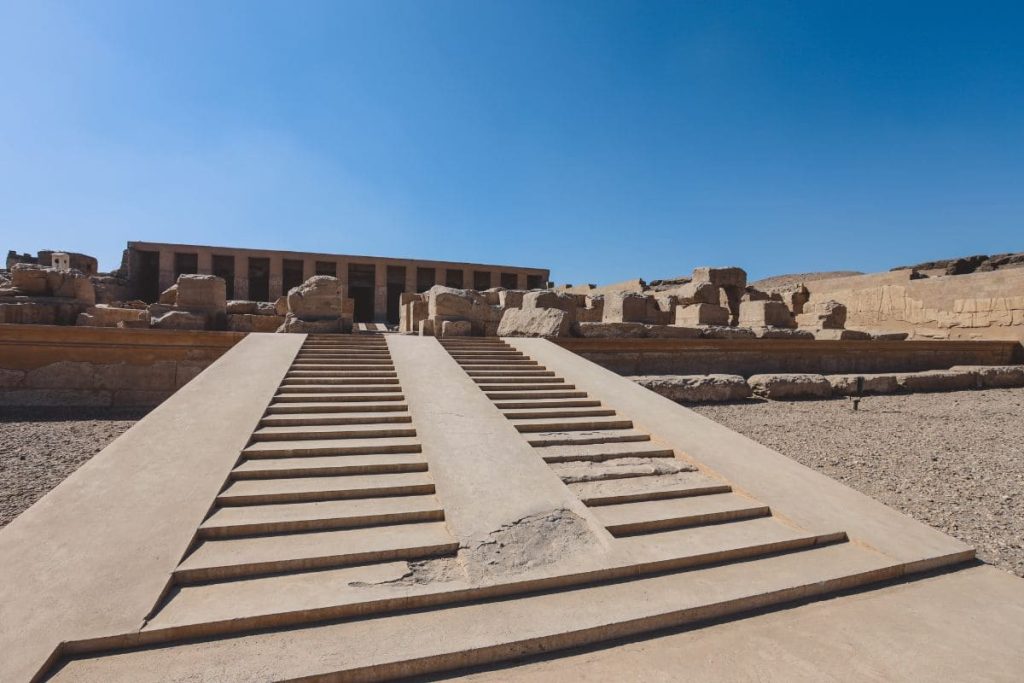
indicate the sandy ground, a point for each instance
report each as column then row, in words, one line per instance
column 953, row 460
column 39, row 447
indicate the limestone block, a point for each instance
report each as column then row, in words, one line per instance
column 624, row 307
column 511, row 298
column 250, row 322
column 551, row 299
column 827, row 315
column 268, row 308
column 846, row 385
column 696, row 388
column 318, row 298
column 765, row 313
column 790, row 385
column 153, row 376
column 592, row 310
column 995, row 376
column 61, row 375
column 452, row 303
column 889, row 336
column 672, row 332
column 236, row 307
column 781, row 333
column 492, row 296
column 169, row 297
column 107, row 316
column 704, row 292
column 456, row 328
column 426, row 327
column 133, row 324
column 701, row 314
column 186, row 371
column 206, row 293
column 610, row 330
column 536, row 322
column 30, row 279
column 722, row 277
column 281, row 305
column 841, row 335
column 70, row 284
column 179, row 320
column 24, row 312
column 723, row 332
column 938, row 380
column 292, row 323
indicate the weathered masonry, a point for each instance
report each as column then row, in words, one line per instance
column 374, row 283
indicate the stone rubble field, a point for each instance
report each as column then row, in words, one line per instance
column 952, row 460
column 40, row 447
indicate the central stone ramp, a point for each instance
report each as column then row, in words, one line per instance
column 557, row 531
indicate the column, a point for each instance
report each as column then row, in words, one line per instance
column 410, row 278
column 276, row 277
column 166, row 268
column 467, row 278
column 520, row 280
column 204, row 262
column 380, row 292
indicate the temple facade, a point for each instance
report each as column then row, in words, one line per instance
column 375, row 283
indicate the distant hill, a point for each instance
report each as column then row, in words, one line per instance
column 784, row 281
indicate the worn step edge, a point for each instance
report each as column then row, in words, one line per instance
column 662, row 494
column 683, row 521
column 270, row 498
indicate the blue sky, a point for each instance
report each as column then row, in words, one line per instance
column 605, row 140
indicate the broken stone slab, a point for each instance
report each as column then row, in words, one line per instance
column 624, row 307
column 765, row 313
column 841, row 335
column 827, row 315
column 722, row 277
column 995, row 376
column 206, row 293
column 701, row 314
column 252, row 322
column 551, row 299
column 781, row 333
column 511, row 298
column 790, row 385
column 696, row 388
column 610, row 330
column 846, row 385
column 889, row 336
column 318, row 298
column 238, row 307
column 33, row 280
column 456, row 328
column 537, row 322
column 108, row 316
column 724, row 332
column 327, row 326
column 179, row 320
column 426, row 327
column 672, row 332
column 938, row 380
column 169, row 296
column 618, row 468
column 592, row 310
column 40, row 310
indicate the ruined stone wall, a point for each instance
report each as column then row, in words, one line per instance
column 980, row 305
column 43, row 365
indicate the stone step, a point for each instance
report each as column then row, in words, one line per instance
column 567, row 424
column 340, row 365
column 347, row 388
column 558, row 385
column 434, row 641
column 327, row 407
column 335, row 418
column 509, row 395
column 341, row 373
column 545, row 413
column 604, row 451
column 638, row 489
column 532, row 404
column 596, row 436
column 335, row 397
column 626, row 519
column 488, row 355
column 319, row 432
column 301, row 448
column 514, row 379
column 337, row 381
column 481, row 363
column 306, row 489
column 237, row 557
column 327, row 343
column 339, row 358
column 248, row 520
column 510, row 373
column 328, row 466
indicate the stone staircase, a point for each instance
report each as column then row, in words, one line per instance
column 328, row 555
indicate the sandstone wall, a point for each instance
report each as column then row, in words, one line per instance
column 748, row 357
column 42, row 365
column 981, row 305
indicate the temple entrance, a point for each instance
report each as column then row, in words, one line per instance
column 360, row 288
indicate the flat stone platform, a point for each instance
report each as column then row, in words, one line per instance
column 471, row 514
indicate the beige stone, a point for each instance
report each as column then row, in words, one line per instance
column 610, row 330
column 536, row 322
column 724, row 332
column 456, row 328
column 765, row 313
column 790, row 385
column 179, row 320
column 781, row 333
column 846, row 385
column 701, row 314
column 722, row 277
column 169, row 296
column 938, row 380
column 994, row 376
column 318, row 298
column 236, row 307
column 551, row 299
column 250, row 322
column 672, row 332
column 696, row 388
column 511, row 298
column 828, row 315
column 624, row 307
column 107, row 316
column 294, row 324
column 841, row 335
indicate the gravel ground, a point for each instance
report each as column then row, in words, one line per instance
column 39, row 447
column 952, row 460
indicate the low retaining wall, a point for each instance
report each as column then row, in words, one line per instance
column 748, row 357
column 48, row 365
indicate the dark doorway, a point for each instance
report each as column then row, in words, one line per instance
column 259, row 279
column 224, row 267
column 360, row 289
column 534, row 282
column 396, row 286
column 327, row 268
column 291, row 274
column 481, row 280
column 509, row 280
column 146, row 273
column 185, row 264
column 425, row 279
column 453, row 279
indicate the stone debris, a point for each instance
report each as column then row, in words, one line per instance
column 825, row 315
column 618, row 468
column 790, row 385
column 537, row 322
column 696, row 388
column 994, row 376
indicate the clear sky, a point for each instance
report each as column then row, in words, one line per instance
column 604, row 140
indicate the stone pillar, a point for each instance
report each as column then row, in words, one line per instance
column 520, row 280
column 276, row 279
column 309, row 267
column 380, row 292
column 242, row 279
column 467, row 278
column 166, row 268
column 410, row 278
column 204, row 262
column 342, row 266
